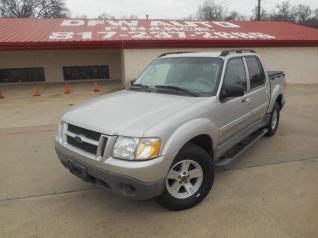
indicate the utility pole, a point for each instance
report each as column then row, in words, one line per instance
column 259, row 10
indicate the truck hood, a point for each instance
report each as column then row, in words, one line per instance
column 127, row 113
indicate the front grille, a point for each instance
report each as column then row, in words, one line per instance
column 83, row 146
column 87, row 133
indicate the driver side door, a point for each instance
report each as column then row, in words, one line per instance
column 233, row 112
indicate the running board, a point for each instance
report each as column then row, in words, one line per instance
column 232, row 154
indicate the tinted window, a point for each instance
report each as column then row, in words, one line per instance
column 235, row 73
column 22, row 75
column 86, row 72
column 256, row 74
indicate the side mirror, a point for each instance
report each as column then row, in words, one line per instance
column 132, row 81
column 233, row 90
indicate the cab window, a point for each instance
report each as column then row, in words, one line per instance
column 256, row 73
column 235, row 73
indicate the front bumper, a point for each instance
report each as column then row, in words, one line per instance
column 137, row 180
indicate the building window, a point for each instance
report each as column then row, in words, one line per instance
column 22, row 75
column 86, row 72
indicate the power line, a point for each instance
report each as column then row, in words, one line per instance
column 230, row 3
column 224, row 2
column 275, row 3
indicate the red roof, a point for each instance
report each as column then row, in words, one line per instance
column 38, row 34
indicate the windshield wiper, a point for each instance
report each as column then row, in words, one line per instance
column 144, row 87
column 177, row 89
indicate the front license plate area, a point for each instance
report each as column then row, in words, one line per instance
column 78, row 170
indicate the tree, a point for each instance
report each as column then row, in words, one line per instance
column 286, row 12
column 303, row 13
column 235, row 16
column 211, row 11
column 190, row 17
column 313, row 21
column 105, row 16
column 133, row 17
column 33, row 9
column 80, row 16
column 264, row 16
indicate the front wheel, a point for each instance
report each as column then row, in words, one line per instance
column 189, row 179
column 273, row 122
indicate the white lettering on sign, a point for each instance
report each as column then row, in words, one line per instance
column 155, row 29
column 137, row 28
column 208, row 35
column 243, row 35
column 205, row 35
column 108, row 34
column 73, row 23
column 139, row 35
column 111, row 28
column 86, row 35
column 180, row 34
column 204, row 23
column 226, row 24
column 201, row 29
column 121, row 23
column 159, row 23
column 161, row 35
column 225, row 35
column 61, row 35
column 261, row 35
column 185, row 23
column 95, row 22
column 152, row 29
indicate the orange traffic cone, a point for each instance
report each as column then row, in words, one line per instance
column 96, row 89
column 36, row 91
column 1, row 96
column 67, row 89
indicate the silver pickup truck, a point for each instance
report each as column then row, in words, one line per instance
column 184, row 115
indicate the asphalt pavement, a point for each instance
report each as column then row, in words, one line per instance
column 271, row 190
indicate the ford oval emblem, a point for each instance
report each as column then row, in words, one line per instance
column 78, row 139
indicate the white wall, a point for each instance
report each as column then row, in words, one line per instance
column 300, row 64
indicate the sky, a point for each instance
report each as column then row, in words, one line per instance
column 167, row 9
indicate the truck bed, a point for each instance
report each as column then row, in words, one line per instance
column 274, row 74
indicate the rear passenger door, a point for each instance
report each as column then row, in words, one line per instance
column 258, row 93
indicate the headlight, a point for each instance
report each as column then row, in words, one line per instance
column 125, row 148
column 135, row 148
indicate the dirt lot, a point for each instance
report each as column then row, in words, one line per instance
column 271, row 190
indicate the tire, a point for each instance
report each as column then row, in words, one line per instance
column 273, row 122
column 189, row 179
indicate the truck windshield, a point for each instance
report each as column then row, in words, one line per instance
column 187, row 75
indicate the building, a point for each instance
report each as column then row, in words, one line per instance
column 57, row 50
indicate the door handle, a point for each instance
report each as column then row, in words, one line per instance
column 246, row 100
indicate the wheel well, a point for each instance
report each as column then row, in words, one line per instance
column 279, row 100
column 203, row 141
